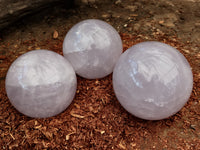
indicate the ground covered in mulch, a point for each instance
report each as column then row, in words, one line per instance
column 95, row 119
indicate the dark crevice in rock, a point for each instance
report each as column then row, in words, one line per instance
column 13, row 10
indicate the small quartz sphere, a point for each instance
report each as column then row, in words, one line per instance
column 92, row 47
column 152, row 80
column 41, row 83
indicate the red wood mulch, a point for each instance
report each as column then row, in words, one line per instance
column 95, row 119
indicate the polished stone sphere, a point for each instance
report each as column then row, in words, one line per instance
column 92, row 47
column 41, row 83
column 152, row 80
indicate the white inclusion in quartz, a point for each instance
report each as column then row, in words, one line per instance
column 41, row 83
column 92, row 47
column 152, row 80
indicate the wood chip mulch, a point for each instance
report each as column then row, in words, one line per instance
column 95, row 119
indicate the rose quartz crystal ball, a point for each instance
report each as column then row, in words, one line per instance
column 152, row 80
column 92, row 47
column 41, row 83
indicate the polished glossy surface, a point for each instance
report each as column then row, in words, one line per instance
column 92, row 47
column 152, row 80
column 41, row 83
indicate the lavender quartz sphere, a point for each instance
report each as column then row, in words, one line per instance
column 41, row 83
column 92, row 47
column 152, row 80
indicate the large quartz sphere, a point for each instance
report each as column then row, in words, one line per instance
column 41, row 83
column 152, row 80
column 92, row 47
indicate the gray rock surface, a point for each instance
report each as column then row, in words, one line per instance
column 11, row 10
